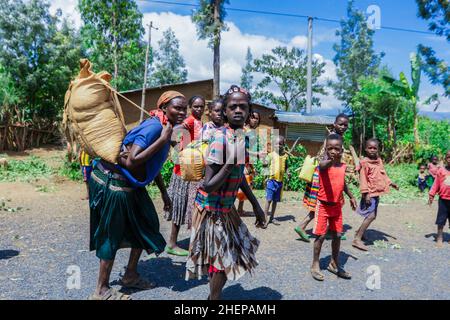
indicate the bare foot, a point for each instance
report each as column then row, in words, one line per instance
column 439, row 243
column 359, row 245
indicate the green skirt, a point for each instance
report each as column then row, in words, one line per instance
column 121, row 217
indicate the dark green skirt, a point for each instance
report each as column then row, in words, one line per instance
column 121, row 217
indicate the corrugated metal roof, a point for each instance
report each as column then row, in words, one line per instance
column 306, row 131
column 295, row 117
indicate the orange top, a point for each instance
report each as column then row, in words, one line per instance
column 441, row 185
column 373, row 177
column 332, row 181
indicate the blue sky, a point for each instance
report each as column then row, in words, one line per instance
column 262, row 32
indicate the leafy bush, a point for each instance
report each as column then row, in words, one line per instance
column 27, row 170
column 71, row 170
column 166, row 172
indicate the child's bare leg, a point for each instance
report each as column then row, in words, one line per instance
column 216, row 285
column 274, row 207
column 335, row 249
column 316, row 253
column 173, row 236
column 240, row 209
column 87, row 191
column 440, row 236
column 357, row 242
column 266, row 211
column 308, row 218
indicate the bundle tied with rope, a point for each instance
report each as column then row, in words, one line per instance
column 93, row 115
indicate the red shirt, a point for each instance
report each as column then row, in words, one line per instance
column 332, row 181
column 373, row 177
column 433, row 169
column 194, row 126
column 441, row 185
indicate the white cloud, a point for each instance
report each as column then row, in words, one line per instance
column 69, row 9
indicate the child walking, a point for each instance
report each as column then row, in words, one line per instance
column 374, row 182
column 277, row 168
column 329, row 207
column 340, row 126
column 86, row 170
column 441, row 186
column 221, row 244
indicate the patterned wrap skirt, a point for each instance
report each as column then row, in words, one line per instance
column 221, row 241
column 178, row 192
column 311, row 192
column 120, row 216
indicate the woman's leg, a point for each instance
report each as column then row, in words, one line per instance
column 103, row 276
column 173, row 236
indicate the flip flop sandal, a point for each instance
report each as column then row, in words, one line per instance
column 339, row 272
column 180, row 252
column 317, row 275
column 138, row 283
column 110, row 294
column 360, row 247
column 303, row 235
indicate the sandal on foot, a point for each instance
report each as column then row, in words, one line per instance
column 341, row 273
column 303, row 235
column 317, row 275
column 138, row 283
column 359, row 246
column 177, row 252
column 110, row 294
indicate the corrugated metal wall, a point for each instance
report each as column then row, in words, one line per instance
column 309, row 132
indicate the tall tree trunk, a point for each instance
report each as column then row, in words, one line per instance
column 416, row 127
column 216, row 59
column 116, row 68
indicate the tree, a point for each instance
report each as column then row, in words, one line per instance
column 437, row 12
column 39, row 56
column 409, row 91
column 246, row 77
column 169, row 64
column 209, row 19
column 355, row 57
column 286, row 69
column 112, row 34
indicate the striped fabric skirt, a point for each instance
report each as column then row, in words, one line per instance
column 120, row 216
column 311, row 192
column 178, row 192
column 221, row 241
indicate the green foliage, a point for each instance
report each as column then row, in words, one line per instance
column 246, row 77
column 40, row 54
column 169, row 64
column 355, row 57
column 28, row 170
column 111, row 34
column 434, row 139
column 437, row 13
column 166, row 171
column 208, row 27
column 71, row 170
column 287, row 70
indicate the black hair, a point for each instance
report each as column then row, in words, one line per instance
column 421, row 165
column 251, row 113
column 233, row 89
column 193, row 98
column 433, row 156
column 213, row 103
column 378, row 142
column 341, row 115
column 334, row 136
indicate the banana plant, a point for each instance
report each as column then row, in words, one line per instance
column 408, row 91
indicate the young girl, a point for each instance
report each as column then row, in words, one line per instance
column 122, row 213
column 441, row 186
column 221, row 244
column 250, row 128
column 179, row 189
column 374, row 182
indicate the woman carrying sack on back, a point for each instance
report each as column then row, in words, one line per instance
column 122, row 213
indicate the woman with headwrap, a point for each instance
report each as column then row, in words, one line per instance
column 122, row 213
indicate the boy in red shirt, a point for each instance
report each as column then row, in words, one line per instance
column 374, row 182
column 329, row 207
column 441, row 186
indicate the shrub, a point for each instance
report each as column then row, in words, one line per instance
column 30, row 169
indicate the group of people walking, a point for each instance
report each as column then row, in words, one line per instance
column 221, row 246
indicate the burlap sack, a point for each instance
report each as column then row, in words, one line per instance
column 93, row 113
